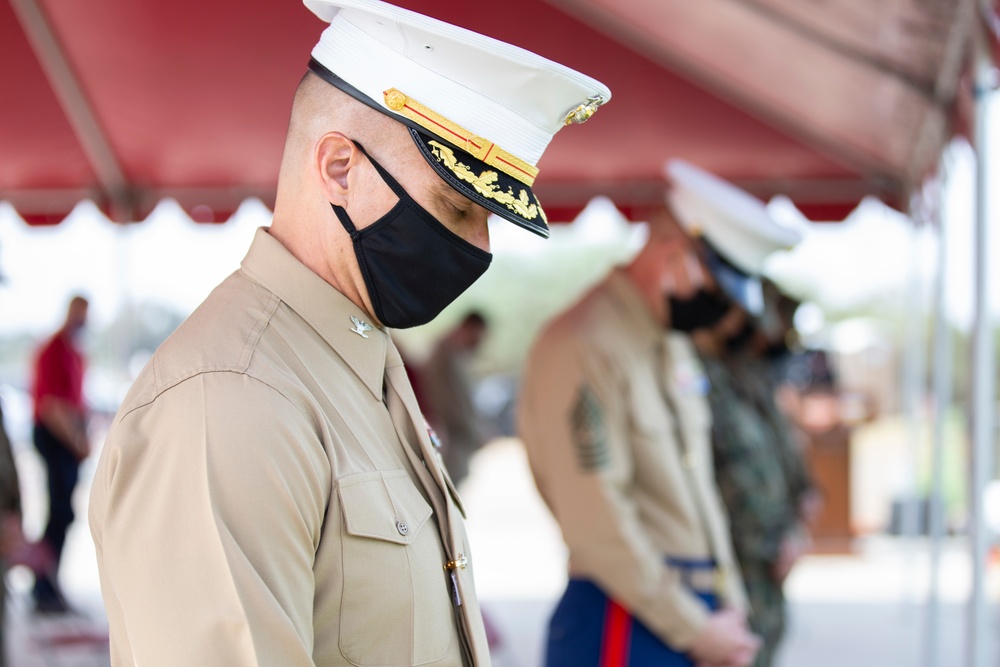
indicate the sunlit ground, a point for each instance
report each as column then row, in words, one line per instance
column 866, row 609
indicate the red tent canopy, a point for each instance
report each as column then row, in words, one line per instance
column 129, row 102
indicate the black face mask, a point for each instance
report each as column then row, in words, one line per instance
column 777, row 351
column 703, row 310
column 413, row 266
column 742, row 337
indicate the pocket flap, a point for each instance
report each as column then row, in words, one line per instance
column 382, row 505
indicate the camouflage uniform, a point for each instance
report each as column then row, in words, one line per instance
column 761, row 479
column 10, row 502
column 758, row 376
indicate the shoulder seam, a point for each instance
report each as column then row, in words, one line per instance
column 161, row 384
column 195, row 373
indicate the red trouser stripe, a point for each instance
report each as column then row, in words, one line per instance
column 617, row 629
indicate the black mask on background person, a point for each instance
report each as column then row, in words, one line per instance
column 703, row 310
column 742, row 337
column 413, row 266
column 778, row 351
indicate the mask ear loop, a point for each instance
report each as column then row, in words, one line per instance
column 353, row 232
column 393, row 184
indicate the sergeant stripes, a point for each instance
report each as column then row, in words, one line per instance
column 589, row 432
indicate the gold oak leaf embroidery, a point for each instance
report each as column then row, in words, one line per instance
column 485, row 183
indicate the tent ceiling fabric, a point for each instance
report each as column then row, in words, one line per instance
column 192, row 98
column 869, row 83
column 130, row 102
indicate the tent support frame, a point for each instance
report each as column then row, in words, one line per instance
column 77, row 107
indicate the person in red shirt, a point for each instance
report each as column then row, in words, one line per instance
column 60, row 434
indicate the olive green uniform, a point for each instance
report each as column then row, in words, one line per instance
column 761, row 478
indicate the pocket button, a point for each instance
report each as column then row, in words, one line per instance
column 403, row 527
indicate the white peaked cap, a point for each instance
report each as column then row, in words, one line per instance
column 499, row 103
column 734, row 222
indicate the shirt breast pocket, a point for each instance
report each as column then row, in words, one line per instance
column 396, row 608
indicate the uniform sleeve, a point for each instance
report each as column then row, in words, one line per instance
column 574, row 421
column 206, row 513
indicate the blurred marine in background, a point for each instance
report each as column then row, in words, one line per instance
column 613, row 415
column 10, row 523
column 449, row 392
column 759, row 467
column 14, row 549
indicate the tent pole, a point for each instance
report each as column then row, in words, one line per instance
column 942, row 373
column 913, row 372
column 983, row 368
column 79, row 111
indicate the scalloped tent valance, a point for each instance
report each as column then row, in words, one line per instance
column 126, row 103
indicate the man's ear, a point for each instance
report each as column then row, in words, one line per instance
column 335, row 155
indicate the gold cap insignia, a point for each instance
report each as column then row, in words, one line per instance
column 582, row 113
column 394, row 99
column 480, row 148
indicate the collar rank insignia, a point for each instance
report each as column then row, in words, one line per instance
column 360, row 327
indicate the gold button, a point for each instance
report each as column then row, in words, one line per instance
column 394, row 99
column 461, row 563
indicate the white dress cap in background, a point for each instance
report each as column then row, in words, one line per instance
column 734, row 222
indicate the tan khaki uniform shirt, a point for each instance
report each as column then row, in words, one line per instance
column 613, row 415
column 258, row 503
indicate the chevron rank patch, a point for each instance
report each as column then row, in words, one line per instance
column 589, row 432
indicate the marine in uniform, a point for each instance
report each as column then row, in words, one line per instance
column 10, row 519
column 449, row 391
column 10, row 522
column 759, row 471
column 268, row 494
column 614, row 419
column 761, row 495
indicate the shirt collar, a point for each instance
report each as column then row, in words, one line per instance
column 331, row 314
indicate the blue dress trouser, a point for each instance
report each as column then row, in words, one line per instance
column 588, row 629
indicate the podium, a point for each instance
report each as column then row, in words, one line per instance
column 827, row 443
